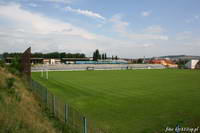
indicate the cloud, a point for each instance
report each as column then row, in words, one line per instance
column 185, row 35
column 154, row 29
column 33, row 5
column 119, row 25
column 147, row 45
column 196, row 17
column 20, row 28
column 99, row 25
column 188, row 21
column 122, row 27
column 85, row 13
column 143, row 36
column 59, row 1
column 192, row 19
column 23, row 29
column 39, row 24
column 145, row 13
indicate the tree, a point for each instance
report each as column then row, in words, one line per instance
column 100, row 57
column 5, row 55
column 15, row 66
column 105, row 56
column 47, row 55
column 2, row 63
column 181, row 63
column 62, row 55
column 96, row 55
column 38, row 55
column 139, row 60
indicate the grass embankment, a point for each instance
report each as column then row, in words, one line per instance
column 19, row 111
column 131, row 101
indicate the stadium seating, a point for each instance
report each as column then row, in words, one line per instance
column 71, row 67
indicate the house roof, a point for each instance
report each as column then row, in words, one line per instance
column 75, row 59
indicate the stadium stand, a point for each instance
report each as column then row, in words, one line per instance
column 72, row 67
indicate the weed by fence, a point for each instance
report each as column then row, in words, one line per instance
column 64, row 112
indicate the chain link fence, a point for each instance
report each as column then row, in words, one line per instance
column 64, row 112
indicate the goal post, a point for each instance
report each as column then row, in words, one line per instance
column 47, row 74
column 42, row 73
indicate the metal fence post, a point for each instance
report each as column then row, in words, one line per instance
column 84, row 125
column 54, row 105
column 71, row 116
column 31, row 84
column 47, row 96
column 66, row 112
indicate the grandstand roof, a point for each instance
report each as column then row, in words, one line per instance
column 76, row 59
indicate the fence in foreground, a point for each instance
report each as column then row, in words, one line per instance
column 69, row 116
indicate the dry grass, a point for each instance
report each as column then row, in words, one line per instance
column 21, row 113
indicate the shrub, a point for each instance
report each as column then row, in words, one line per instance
column 13, row 70
column 15, row 66
column 2, row 63
column 10, row 82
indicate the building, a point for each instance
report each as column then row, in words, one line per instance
column 51, row 61
column 180, row 57
column 55, row 61
column 193, row 64
column 8, row 60
column 165, row 62
column 74, row 60
column 37, row 60
column 130, row 61
column 46, row 61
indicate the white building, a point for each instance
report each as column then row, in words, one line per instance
column 55, row 61
column 191, row 64
column 51, row 61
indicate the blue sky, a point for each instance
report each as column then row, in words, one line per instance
column 127, row 28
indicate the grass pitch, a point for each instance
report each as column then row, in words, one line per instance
column 131, row 101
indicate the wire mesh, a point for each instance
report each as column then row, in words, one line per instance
column 64, row 112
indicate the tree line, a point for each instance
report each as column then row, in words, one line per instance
column 103, row 56
column 47, row 55
column 96, row 55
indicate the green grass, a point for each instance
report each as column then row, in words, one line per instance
column 19, row 110
column 131, row 101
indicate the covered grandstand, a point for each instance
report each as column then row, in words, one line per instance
column 193, row 64
column 103, row 62
column 71, row 67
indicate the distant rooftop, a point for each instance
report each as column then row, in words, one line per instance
column 181, row 57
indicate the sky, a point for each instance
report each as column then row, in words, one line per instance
column 126, row 28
